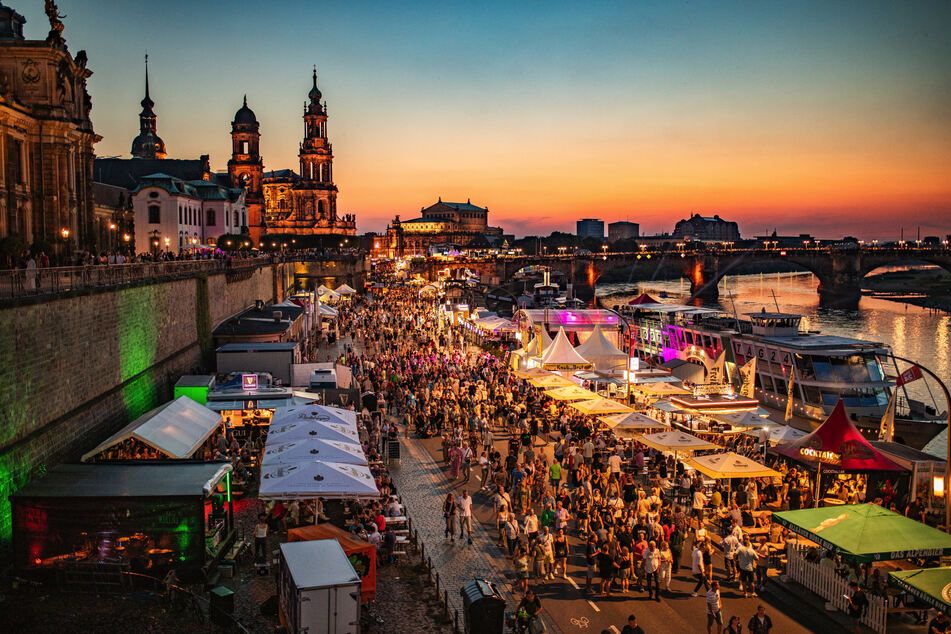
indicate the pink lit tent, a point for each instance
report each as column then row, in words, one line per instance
column 840, row 437
column 643, row 298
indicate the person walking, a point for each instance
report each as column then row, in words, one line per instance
column 449, row 512
column 697, row 569
column 651, row 567
column 760, row 623
column 666, row 565
column 676, row 548
column 465, row 515
column 746, row 561
column 561, row 553
column 591, row 559
column 260, row 539
column 714, row 605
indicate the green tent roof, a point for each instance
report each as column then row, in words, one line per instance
column 931, row 585
column 866, row 532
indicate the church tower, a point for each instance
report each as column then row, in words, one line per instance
column 315, row 195
column 246, row 168
column 147, row 144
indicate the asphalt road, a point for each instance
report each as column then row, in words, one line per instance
column 575, row 611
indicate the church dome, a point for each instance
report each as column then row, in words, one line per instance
column 315, row 93
column 245, row 115
column 148, row 145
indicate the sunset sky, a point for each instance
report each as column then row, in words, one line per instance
column 826, row 117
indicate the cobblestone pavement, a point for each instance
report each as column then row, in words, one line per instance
column 423, row 488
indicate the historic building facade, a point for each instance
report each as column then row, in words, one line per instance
column 246, row 168
column 707, row 228
column 46, row 138
column 306, row 203
column 441, row 223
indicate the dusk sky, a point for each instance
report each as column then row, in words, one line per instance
column 831, row 118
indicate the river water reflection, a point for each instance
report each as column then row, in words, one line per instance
column 911, row 331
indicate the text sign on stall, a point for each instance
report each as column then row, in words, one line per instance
column 249, row 382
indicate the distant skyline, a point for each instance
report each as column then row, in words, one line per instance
column 826, row 118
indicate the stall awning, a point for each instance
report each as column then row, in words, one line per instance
column 840, row 445
column 304, row 480
column 600, row 406
column 931, row 585
column 730, row 465
column 676, row 441
column 311, row 449
column 161, row 479
column 551, row 381
column 866, row 532
column 571, row 393
column 176, row 429
column 290, row 432
column 533, row 373
column 317, row 413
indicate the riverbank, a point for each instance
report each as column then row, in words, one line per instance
column 929, row 288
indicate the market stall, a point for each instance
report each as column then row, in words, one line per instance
column 293, row 431
column 362, row 555
column 178, row 429
column 600, row 406
column 308, row 480
column 570, row 393
column 601, row 352
column 144, row 517
column 561, row 355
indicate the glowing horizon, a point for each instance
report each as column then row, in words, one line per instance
column 804, row 118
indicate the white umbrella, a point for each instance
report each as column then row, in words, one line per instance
column 345, row 289
column 313, row 449
column 318, row 413
column 290, row 432
column 316, row 479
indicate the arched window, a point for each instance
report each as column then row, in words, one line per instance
column 236, row 218
column 154, row 215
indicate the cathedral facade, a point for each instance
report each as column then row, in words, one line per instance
column 305, row 203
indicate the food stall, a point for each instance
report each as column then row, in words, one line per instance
column 318, row 589
column 144, row 517
column 362, row 554
column 178, row 429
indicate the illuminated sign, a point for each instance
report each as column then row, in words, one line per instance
column 820, row 455
column 249, row 382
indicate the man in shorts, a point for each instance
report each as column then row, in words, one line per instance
column 714, row 616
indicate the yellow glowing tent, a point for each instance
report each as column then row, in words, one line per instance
column 551, row 381
column 633, row 420
column 601, row 406
column 676, row 441
column 533, row 373
column 730, row 465
column 571, row 393
column 659, row 389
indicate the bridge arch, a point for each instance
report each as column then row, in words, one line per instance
column 872, row 264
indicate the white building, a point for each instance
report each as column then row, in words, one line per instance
column 175, row 215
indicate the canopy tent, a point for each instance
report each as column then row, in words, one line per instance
column 176, row 429
column 730, row 465
column 561, row 355
column 362, row 555
column 930, row 585
column 539, row 344
column 745, row 419
column 327, row 311
column 320, row 413
column 676, row 441
column 643, row 298
column 345, row 289
column 313, row 449
column 600, row 406
column 839, row 444
column 779, row 434
column 632, row 420
column 571, row 393
column 495, row 324
column 290, row 432
column 429, row 288
column 601, row 352
column 866, row 532
column 552, row 380
column 305, row 480
column 666, row 406
column 323, row 289
column 533, row 373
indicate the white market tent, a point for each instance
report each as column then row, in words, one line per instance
column 632, row 420
column 676, row 441
column 345, row 289
column 323, row 289
column 177, row 429
column 326, row 311
column 730, row 465
column 319, row 413
column 601, row 352
column 745, row 419
column 312, row 449
column 779, row 434
column 561, row 355
column 303, row 480
column 290, row 432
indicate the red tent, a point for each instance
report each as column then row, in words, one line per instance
column 361, row 554
column 839, row 445
column 643, row 298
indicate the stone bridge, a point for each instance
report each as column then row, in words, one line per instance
column 839, row 271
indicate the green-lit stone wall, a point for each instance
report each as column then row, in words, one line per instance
column 76, row 369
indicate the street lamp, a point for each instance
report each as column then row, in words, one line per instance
column 65, row 233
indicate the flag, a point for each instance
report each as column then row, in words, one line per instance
column 748, row 376
column 789, row 394
column 886, row 431
column 911, row 374
column 715, row 375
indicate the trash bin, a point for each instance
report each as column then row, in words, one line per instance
column 483, row 608
column 221, row 605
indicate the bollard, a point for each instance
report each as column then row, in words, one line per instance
column 456, row 622
column 437, row 584
column 445, row 598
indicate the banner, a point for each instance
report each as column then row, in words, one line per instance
column 911, row 374
column 748, row 377
column 789, row 394
column 886, row 431
column 716, row 374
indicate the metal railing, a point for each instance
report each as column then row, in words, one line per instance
column 19, row 283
